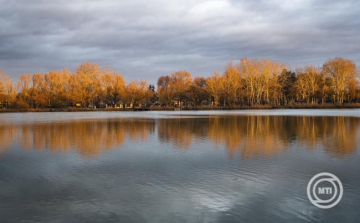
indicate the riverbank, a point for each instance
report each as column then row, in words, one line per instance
column 295, row 106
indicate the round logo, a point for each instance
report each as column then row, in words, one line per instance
column 325, row 190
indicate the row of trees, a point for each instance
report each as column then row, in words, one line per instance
column 247, row 83
column 88, row 85
column 259, row 82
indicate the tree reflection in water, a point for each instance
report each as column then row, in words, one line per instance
column 248, row 135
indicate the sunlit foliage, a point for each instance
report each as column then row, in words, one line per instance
column 249, row 82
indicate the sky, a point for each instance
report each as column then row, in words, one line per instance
column 145, row 39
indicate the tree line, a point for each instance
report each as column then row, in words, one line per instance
column 250, row 82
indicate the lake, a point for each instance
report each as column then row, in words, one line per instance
column 184, row 166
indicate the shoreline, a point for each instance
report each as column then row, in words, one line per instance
column 198, row 108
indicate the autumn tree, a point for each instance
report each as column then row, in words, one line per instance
column 112, row 88
column 138, row 93
column 59, row 87
column 286, row 81
column 179, row 83
column 353, row 90
column 196, row 92
column 7, row 90
column 270, row 72
column 24, row 86
column 163, row 89
column 308, row 83
column 87, row 81
column 250, row 72
column 118, row 87
column 341, row 71
column 231, row 85
column 3, row 79
column 39, row 93
column 214, row 87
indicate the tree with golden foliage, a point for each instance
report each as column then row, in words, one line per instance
column 214, row 87
column 87, row 76
column 112, row 86
column 196, row 92
column 270, row 71
column 138, row 93
column 39, row 91
column 341, row 72
column 180, row 81
column 173, row 88
column 7, row 90
column 163, row 90
column 231, row 85
column 308, row 83
column 24, row 86
column 250, row 72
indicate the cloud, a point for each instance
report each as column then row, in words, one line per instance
column 145, row 40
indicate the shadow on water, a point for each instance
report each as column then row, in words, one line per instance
column 247, row 135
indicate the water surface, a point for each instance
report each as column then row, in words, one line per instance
column 217, row 166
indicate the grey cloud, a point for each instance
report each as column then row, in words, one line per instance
column 145, row 40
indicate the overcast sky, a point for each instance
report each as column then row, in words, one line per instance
column 145, row 39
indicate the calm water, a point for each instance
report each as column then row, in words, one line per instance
column 238, row 166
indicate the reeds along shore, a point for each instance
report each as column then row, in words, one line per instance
column 250, row 83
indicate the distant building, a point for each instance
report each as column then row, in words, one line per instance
column 129, row 105
column 120, row 104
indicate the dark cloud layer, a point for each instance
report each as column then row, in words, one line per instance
column 146, row 39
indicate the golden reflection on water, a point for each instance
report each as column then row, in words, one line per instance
column 87, row 137
column 248, row 135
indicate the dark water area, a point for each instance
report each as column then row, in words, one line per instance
column 218, row 166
